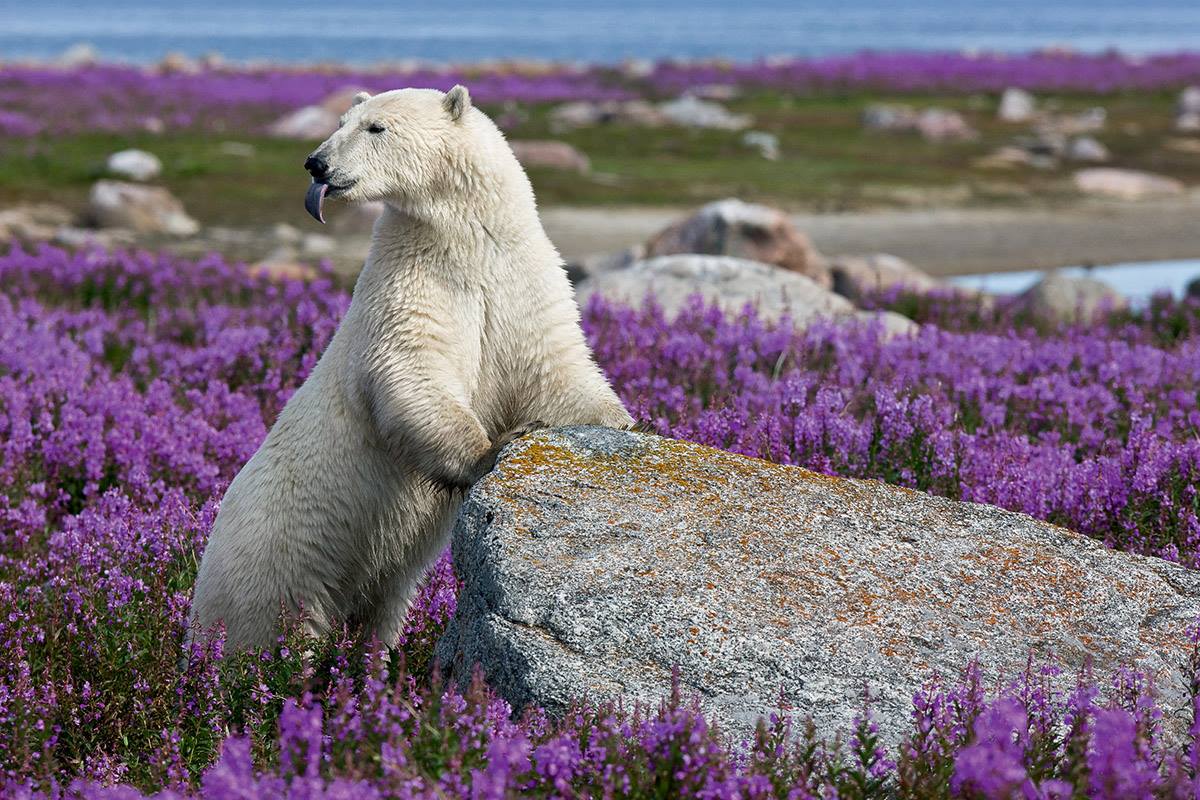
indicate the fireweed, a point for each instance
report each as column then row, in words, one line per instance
column 133, row 386
column 118, row 98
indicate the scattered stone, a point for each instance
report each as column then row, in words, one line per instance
column 637, row 68
column 285, row 233
column 889, row 117
column 1126, row 184
column 550, row 154
column 339, row 102
column 692, row 112
column 767, row 144
column 583, row 114
column 1006, row 157
column 595, row 562
column 728, row 282
column 890, row 324
column 944, row 125
column 745, row 230
column 601, row 263
column 36, row 222
column 1188, row 123
column 142, row 209
column 1089, row 121
column 1187, row 110
column 1059, row 297
column 238, row 149
column 309, row 123
column 1089, row 149
column 137, row 165
column 283, row 265
column 73, row 237
column 178, row 63
column 1016, row 105
column 856, row 275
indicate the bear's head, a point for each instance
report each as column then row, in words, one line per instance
column 408, row 147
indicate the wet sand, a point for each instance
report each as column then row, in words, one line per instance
column 942, row 242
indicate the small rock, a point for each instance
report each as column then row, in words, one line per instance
column 282, row 265
column 1126, row 184
column 71, row 236
column 1188, row 122
column 1190, row 146
column 1088, row 121
column 143, row 209
column 890, row 324
column 730, row 283
column 285, row 233
column 692, row 112
column 745, row 230
column 767, row 144
column 37, row 222
column 550, row 154
column 1058, row 297
column 1189, row 101
column 1086, row 148
column 1006, row 157
column 889, row 117
column 136, row 165
column 1016, row 105
column 600, row 563
column 601, row 263
column 854, row 276
column 178, row 63
column 309, row 123
column 583, row 114
column 943, row 125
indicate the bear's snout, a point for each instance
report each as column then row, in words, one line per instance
column 317, row 166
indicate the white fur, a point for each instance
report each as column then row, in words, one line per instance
column 462, row 327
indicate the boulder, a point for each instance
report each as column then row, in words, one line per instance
column 1016, row 105
column 889, row 117
column 1125, row 184
column 595, row 562
column 1059, row 297
column 37, row 222
column 854, row 275
column 585, row 114
column 1187, row 110
column 692, row 112
column 142, row 209
column 137, row 165
column 549, row 154
column 746, row 230
column 1087, row 148
column 1006, row 157
column 308, row 123
column 730, row 283
column 767, row 144
column 944, row 125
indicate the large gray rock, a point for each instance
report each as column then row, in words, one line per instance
column 1016, row 105
column 595, row 561
column 1126, row 184
column 1061, row 297
column 137, row 165
column 855, row 275
column 756, row 232
column 142, row 209
column 731, row 283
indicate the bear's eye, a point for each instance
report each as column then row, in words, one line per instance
column 376, row 127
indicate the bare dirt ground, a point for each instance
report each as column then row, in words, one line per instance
column 942, row 242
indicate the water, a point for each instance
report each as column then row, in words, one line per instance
column 1137, row 280
column 362, row 32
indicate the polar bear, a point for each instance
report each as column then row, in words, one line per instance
column 462, row 334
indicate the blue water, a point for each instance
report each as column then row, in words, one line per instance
column 1137, row 281
column 358, row 31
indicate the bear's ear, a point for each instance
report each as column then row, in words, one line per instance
column 457, row 102
column 361, row 97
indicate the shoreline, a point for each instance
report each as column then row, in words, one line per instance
column 942, row 242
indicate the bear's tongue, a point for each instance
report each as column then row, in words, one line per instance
column 314, row 200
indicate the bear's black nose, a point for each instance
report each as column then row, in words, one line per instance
column 317, row 167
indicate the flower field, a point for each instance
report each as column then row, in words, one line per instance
column 134, row 385
column 125, row 99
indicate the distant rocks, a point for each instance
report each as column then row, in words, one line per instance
column 37, row 222
column 142, row 209
column 687, row 111
column 933, row 124
column 1126, row 184
column 307, row 123
column 1187, row 110
column 1087, row 149
column 597, row 563
column 744, row 230
column 1016, row 105
column 767, row 144
column 692, row 112
column 550, row 154
column 1059, row 297
column 136, row 165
